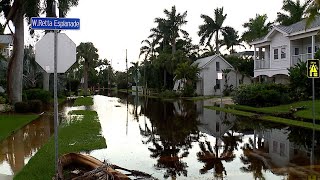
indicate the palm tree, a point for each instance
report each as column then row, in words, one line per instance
column 212, row 26
column 231, row 39
column 257, row 28
column 312, row 11
column 293, row 12
column 88, row 53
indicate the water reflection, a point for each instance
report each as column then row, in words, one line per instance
column 173, row 129
column 18, row 148
column 22, row 145
column 184, row 140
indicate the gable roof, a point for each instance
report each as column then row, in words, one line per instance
column 203, row 62
column 293, row 29
column 6, row 39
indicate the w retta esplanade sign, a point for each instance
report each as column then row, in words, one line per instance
column 55, row 23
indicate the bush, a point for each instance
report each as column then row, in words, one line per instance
column 3, row 100
column 168, row 94
column 188, row 91
column 261, row 95
column 21, row 107
column 35, row 106
column 38, row 94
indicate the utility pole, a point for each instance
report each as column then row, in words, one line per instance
column 127, row 72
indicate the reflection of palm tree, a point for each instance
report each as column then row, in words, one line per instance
column 171, row 135
column 252, row 164
column 212, row 159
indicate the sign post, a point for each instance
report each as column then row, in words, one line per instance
column 313, row 72
column 62, row 61
column 220, row 78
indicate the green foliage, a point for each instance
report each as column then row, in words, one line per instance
column 73, row 85
column 241, row 65
column 21, row 107
column 188, row 91
column 3, row 100
column 167, row 94
column 256, row 28
column 300, row 85
column 84, row 101
column 294, row 12
column 261, row 95
column 38, row 94
column 35, row 106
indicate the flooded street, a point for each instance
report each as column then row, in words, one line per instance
column 184, row 140
column 180, row 140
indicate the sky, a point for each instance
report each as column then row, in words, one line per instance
column 114, row 26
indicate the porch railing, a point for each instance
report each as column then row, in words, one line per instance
column 262, row 64
column 301, row 57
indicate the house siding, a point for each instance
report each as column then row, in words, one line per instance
column 279, row 41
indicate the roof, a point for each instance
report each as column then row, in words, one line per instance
column 243, row 53
column 203, row 62
column 6, row 39
column 293, row 29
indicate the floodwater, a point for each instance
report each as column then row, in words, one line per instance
column 182, row 140
column 17, row 149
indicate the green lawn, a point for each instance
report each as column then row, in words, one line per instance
column 266, row 117
column 82, row 134
column 306, row 113
column 11, row 123
column 199, row 98
column 83, row 101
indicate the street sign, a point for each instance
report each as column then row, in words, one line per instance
column 313, row 70
column 50, row 23
column 66, row 55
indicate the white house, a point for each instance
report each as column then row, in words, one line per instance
column 208, row 83
column 6, row 42
column 282, row 48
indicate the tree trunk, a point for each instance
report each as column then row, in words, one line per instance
column 173, row 46
column 15, row 67
column 164, row 77
column 217, row 42
column 46, row 78
column 85, row 76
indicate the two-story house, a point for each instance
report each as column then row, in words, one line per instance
column 282, row 48
column 6, row 45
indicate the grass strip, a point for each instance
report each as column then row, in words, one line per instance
column 232, row 111
column 275, row 110
column 200, row 98
column 82, row 134
column 9, row 124
column 83, row 101
column 266, row 118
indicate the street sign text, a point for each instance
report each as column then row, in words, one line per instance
column 55, row 23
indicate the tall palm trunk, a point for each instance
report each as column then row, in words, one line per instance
column 15, row 67
column 173, row 46
column 217, row 42
column 85, row 74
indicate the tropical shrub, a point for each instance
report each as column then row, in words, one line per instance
column 188, row 91
column 38, row 94
column 168, row 94
column 35, row 106
column 21, row 107
column 261, row 95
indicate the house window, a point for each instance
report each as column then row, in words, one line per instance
column 217, row 66
column 309, row 49
column 316, row 48
column 282, row 148
column 275, row 54
column 283, row 53
column 275, row 146
column 217, row 83
column 296, row 51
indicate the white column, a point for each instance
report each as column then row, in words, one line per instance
column 254, row 56
column 312, row 46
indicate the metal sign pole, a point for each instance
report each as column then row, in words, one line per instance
column 55, row 94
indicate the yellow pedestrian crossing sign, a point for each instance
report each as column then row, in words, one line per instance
column 313, row 68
